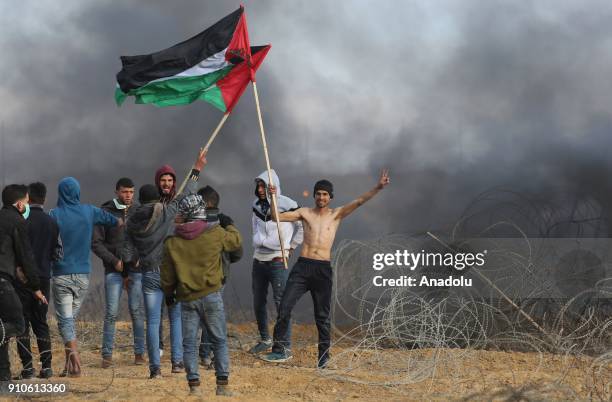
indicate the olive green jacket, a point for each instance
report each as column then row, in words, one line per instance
column 193, row 268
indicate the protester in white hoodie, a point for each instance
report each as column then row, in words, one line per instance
column 268, row 266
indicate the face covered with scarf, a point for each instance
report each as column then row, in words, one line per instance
column 192, row 208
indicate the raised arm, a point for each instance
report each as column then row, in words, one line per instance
column 288, row 216
column 347, row 209
column 191, row 185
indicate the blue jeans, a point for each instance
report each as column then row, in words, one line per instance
column 209, row 312
column 113, row 287
column 205, row 345
column 68, row 294
column 264, row 273
column 176, row 333
column 153, row 299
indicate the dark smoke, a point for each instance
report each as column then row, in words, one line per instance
column 455, row 97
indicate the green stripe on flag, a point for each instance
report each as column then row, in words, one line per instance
column 180, row 91
column 119, row 96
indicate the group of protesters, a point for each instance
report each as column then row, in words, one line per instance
column 169, row 251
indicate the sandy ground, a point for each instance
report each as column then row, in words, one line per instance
column 356, row 375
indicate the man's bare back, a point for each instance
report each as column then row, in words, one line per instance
column 321, row 222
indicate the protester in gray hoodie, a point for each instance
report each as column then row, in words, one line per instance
column 147, row 228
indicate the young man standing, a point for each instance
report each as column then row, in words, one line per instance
column 312, row 272
column 15, row 251
column 147, row 228
column 192, row 270
column 44, row 238
column 211, row 201
column 106, row 244
column 268, row 265
column 71, row 274
column 165, row 180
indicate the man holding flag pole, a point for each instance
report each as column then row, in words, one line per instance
column 215, row 65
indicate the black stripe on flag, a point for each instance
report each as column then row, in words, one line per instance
column 140, row 70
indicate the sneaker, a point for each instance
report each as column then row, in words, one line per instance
column 26, row 374
column 45, row 373
column 223, row 390
column 223, row 387
column 155, row 373
column 262, row 346
column 139, row 359
column 107, row 362
column 178, row 367
column 322, row 363
column 276, row 357
column 194, row 387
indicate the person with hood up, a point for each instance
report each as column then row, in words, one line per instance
column 165, row 179
column 268, row 265
column 192, row 269
column 147, row 228
column 71, row 274
column 106, row 244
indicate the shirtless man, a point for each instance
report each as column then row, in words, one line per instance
column 312, row 271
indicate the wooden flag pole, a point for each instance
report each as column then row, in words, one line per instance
column 210, row 140
column 265, row 147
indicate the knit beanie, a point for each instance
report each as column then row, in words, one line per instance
column 148, row 193
column 324, row 185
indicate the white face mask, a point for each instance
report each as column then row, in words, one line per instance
column 118, row 204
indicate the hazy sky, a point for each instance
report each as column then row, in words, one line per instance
column 456, row 97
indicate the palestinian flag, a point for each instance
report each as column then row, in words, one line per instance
column 215, row 66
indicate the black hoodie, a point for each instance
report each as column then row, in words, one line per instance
column 15, row 248
column 106, row 242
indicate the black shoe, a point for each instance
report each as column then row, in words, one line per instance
column 4, row 385
column 155, row 373
column 45, row 373
column 323, row 362
column 178, row 367
column 26, row 374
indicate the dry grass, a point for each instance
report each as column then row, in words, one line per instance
column 480, row 375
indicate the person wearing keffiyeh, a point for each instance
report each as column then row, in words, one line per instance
column 192, row 272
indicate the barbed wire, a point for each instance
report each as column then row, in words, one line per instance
column 405, row 335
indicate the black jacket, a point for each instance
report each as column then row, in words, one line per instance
column 148, row 227
column 45, row 241
column 15, row 248
column 107, row 241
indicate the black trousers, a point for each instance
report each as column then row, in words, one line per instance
column 35, row 315
column 11, row 323
column 306, row 275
